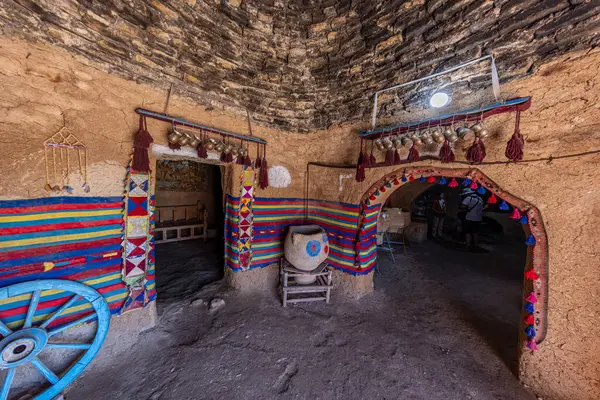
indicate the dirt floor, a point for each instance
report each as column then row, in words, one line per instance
column 183, row 268
column 432, row 330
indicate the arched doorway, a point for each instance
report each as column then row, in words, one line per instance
column 533, row 321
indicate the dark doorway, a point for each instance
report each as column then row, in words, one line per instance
column 189, row 228
column 475, row 290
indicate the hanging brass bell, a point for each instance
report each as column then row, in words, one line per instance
column 387, row 143
column 209, row 144
column 184, row 139
column 450, row 135
column 406, row 142
column 379, row 145
column 220, row 146
column 438, row 136
column 195, row 142
column 174, row 137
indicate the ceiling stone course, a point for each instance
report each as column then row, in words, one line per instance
column 303, row 65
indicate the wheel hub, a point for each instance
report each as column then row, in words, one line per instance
column 21, row 346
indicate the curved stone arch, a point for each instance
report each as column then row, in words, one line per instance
column 537, row 254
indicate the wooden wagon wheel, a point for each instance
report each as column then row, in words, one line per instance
column 35, row 334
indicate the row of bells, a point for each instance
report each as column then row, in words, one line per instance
column 187, row 139
column 429, row 137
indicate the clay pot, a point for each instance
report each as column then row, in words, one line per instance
column 305, row 247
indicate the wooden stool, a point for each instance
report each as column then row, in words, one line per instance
column 292, row 292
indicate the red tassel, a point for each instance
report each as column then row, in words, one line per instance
column 239, row 160
column 372, row 159
column 263, row 177
column 389, row 157
column 530, row 319
column 446, row 153
column 531, row 275
column 202, row 153
column 411, row 178
column 413, row 155
column 360, row 164
column 247, row 160
column 476, row 153
column 397, row 160
column 228, row 157
column 360, row 167
column 174, row 146
column 516, row 214
column 141, row 143
column 492, row 199
column 514, row 147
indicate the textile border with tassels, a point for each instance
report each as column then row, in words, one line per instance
column 475, row 153
column 199, row 138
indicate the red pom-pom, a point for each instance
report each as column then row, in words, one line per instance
column 453, row 183
column 531, row 275
column 530, row 319
column 396, row 181
column 492, row 199
column 473, row 185
column 516, row 214
column 382, row 189
column 372, row 197
column 431, row 179
column 411, row 178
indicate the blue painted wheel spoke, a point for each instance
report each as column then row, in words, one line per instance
column 80, row 346
column 49, row 375
column 4, row 330
column 60, row 310
column 35, row 299
column 10, row 374
column 59, row 329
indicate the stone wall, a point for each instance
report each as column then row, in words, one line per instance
column 304, row 65
column 44, row 87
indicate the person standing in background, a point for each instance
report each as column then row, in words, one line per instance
column 439, row 213
column 472, row 208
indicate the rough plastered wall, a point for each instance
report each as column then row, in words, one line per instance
column 44, row 86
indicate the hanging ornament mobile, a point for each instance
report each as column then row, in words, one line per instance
column 68, row 147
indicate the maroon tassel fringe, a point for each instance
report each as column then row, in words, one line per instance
column 389, row 157
column 514, row 147
column 239, row 160
column 397, row 160
column 446, row 153
column 372, row 160
column 360, row 165
column 476, row 153
column 264, row 171
column 202, row 153
column 141, row 143
column 247, row 160
column 413, row 155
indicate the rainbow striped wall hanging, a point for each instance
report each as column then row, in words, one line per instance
column 272, row 217
column 74, row 238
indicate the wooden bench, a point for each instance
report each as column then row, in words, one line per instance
column 181, row 222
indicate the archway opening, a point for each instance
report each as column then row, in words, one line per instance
column 478, row 289
column 188, row 228
column 492, row 296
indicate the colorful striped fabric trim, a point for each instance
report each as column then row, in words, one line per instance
column 74, row 238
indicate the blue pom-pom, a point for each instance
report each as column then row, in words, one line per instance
column 504, row 206
column 422, row 179
column 481, row 190
column 404, row 179
column 524, row 219
column 530, row 331
column 530, row 240
column 442, row 181
column 530, row 308
column 467, row 182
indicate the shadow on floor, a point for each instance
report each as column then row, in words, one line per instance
column 183, row 268
column 484, row 288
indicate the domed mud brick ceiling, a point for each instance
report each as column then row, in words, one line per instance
column 305, row 64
